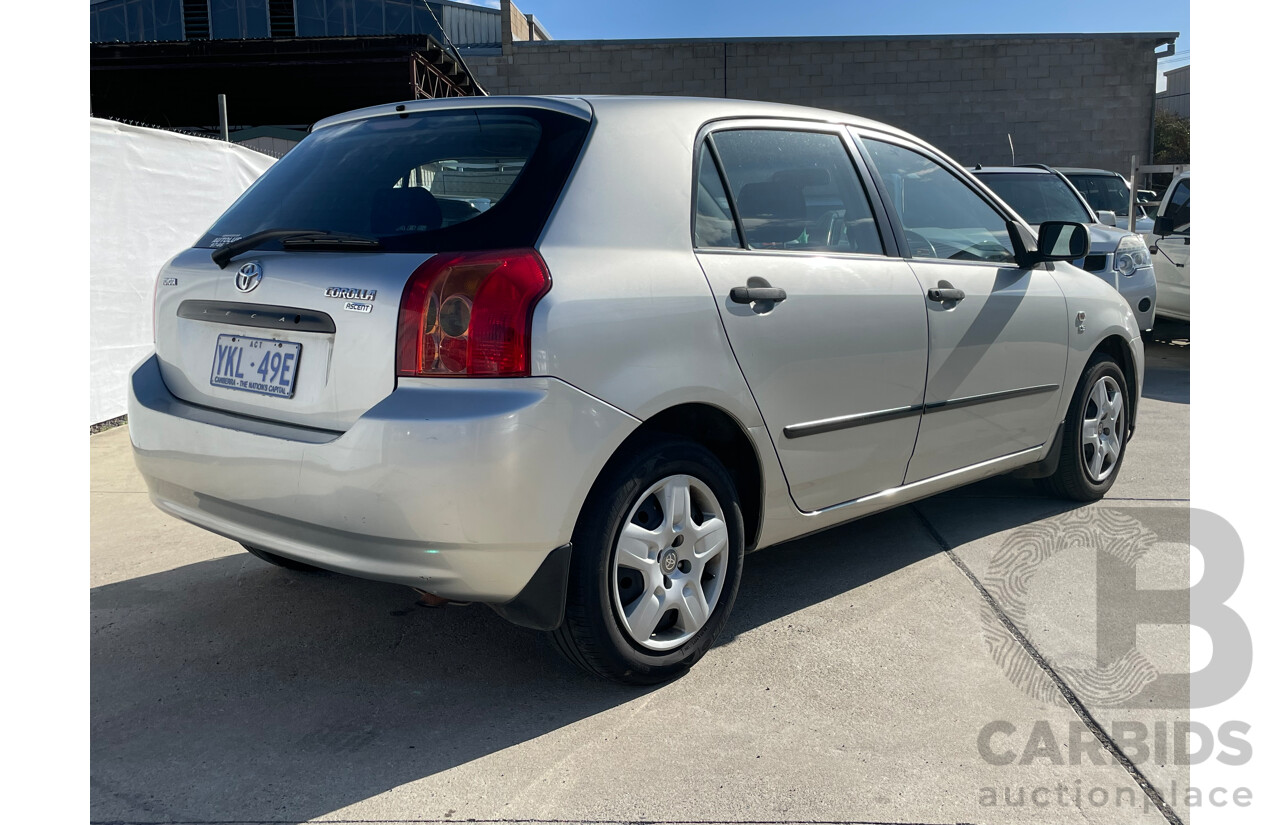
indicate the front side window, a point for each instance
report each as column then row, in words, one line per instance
column 448, row 179
column 942, row 217
column 1179, row 208
column 797, row 191
column 1037, row 197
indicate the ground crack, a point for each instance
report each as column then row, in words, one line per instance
column 1135, row 773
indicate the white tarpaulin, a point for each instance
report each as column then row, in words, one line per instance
column 152, row 194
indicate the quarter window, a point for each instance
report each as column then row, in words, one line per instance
column 942, row 217
column 713, row 225
column 797, row 190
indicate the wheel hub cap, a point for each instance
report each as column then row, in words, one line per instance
column 1102, row 429
column 669, row 563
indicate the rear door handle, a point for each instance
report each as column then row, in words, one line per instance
column 943, row 294
column 751, row 294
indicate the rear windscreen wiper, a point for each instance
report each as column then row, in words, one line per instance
column 293, row 237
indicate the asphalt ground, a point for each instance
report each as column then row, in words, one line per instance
column 978, row 657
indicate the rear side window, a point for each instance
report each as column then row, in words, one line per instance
column 457, row 179
column 797, row 190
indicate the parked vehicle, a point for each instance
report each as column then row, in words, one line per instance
column 682, row 330
column 1116, row 256
column 1170, row 240
column 1107, row 194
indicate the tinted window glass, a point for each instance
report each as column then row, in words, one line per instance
column 942, row 216
column 1179, row 207
column 713, row 222
column 135, row 20
column 457, row 179
column 1037, row 197
column 1103, row 192
column 238, row 19
column 338, row 18
column 797, row 190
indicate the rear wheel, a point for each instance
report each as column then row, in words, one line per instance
column 1095, row 435
column 280, row 561
column 657, row 557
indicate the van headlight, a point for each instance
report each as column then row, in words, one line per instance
column 1131, row 255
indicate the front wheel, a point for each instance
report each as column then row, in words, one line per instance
column 1096, row 434
column 657, row 557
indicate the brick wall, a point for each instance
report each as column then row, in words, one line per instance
column 1067, row 100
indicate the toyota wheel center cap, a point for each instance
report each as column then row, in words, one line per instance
column 669, row 561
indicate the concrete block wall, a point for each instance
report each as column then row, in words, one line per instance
column 1067, row 100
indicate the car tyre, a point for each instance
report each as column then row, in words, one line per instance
column 281, row 561
column 1095, row 434
column 657, row 559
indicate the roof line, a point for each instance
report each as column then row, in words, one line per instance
column 1156, row 37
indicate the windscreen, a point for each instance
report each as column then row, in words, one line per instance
column 1037, row 197
column 457, row 179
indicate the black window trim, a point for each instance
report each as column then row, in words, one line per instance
column 836, row 129
column 714, row 153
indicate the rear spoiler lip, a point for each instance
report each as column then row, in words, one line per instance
column 573, row 106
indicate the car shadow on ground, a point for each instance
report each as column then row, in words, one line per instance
column 1168, row 372
column 232, row 690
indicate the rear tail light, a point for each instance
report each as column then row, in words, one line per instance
column 469, row 314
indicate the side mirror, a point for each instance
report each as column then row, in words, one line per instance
column 1062, row 241
column 1164, row 226
column 1107, row 217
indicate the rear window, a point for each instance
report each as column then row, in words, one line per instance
column 458, row 179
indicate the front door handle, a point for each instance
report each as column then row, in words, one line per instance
column 944, row 292
column 751, row 294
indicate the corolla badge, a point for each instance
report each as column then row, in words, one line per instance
column 249, row 276
column 348, row 293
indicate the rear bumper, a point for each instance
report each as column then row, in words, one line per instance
column 462, row 490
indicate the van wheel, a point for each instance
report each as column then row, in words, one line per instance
column 1095, row 435
column 657, row 558
column 281, row 561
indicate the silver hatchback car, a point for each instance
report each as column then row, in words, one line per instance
column 574, row 357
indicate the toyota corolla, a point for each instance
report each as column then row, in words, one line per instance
column 575, row 357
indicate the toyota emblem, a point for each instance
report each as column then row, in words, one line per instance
column 249, row 276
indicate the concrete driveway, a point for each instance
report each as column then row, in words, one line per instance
column 914, row 667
